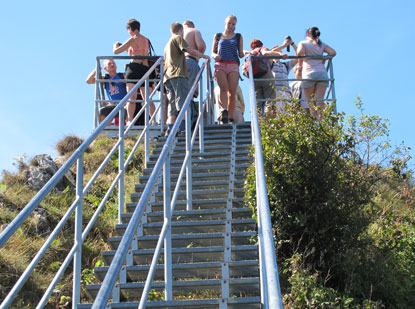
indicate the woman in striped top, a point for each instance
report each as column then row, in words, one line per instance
column 227, row 49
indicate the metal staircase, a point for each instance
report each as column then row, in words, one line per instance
column 214, row 252
column 187, row 240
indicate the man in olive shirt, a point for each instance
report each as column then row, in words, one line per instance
column 176, row 78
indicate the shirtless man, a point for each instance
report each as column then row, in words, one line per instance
column 193, row 37
column 137, row 45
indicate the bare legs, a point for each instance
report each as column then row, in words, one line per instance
column 131, row 105
column 227, row 85
column 312, row 95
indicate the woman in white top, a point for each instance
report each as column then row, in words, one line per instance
column 314, row 69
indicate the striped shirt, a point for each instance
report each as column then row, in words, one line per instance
column 228, row 50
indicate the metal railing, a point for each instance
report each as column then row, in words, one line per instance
column 163, row 166
column 270, row 286
column 81, row 190
column 330, row 93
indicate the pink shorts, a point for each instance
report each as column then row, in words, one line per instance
column 227, row 67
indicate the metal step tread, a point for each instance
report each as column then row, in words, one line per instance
column 108, row 255
column 188, row 303
column 196, row 212
column 182, row 270
column 191, row 223
column 196, row 202
column 190, row 236
column 202, row 154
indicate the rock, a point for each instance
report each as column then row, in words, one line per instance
column 37, row 177
column 42, row 223
column 42, row 169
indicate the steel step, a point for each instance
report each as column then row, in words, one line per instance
column 190, row 255
column 198, row 194
column 191, row 240
column 210, row 303
column 219, row 154
column 205, row 184
column 131, row 291
column 192, row 215
column 191, row 227
column 196, row 204
column 184, row 271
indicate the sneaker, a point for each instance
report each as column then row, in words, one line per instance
column 166, row 134
column 231, row 120
column 129, row 122
column 224, row 117
column 181, row 133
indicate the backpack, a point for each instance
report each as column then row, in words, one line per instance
column 217, row 38
column 259, row 66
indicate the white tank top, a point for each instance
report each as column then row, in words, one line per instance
column 313, row 65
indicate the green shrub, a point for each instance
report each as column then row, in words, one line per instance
column 315, row 190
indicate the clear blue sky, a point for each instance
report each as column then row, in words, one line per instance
column 49, row 47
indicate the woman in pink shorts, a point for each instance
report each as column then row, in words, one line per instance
column 227, row 49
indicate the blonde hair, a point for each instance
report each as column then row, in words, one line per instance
column 231, row 17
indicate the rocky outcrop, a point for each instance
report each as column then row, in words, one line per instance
column 42, row 169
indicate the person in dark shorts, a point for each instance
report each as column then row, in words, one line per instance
column 137, row 45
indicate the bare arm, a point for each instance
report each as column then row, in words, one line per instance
column 241, row 48
column 214, row 54
column 91, row 77
column 330, row 51
column 195, row 53
column 118, row 49
column 200, row 43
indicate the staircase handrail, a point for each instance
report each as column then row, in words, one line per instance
column 162, row 163
column 270, row 286
column 79, row 236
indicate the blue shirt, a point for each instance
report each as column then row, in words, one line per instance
column 115, row 90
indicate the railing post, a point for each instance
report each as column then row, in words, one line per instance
column 189, row 161
column 333, row 96
column 167, row 240
column 76, row 290
column 121, row 168
column 201, row 113
column 146, row 124
column 161, row 99
column 97, row 95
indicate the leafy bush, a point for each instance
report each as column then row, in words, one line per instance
column 315, row 190
column 342, row 207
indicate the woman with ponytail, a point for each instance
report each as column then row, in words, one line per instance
column 314, row 69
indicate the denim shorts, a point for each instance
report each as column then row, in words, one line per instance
column 316, row 75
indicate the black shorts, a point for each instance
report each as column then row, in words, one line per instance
column 135, row 70
column 106, row 110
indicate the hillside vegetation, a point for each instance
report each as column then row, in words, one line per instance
column 16, row 191
column 342, row 204
column 342, row 208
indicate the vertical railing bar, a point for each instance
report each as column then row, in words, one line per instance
column 189, row 161
column 201, row 115
column 146, row 126
column 121, row 168
column 333, row 96
column 76, row 291
column 162, row 120
column 167, row 241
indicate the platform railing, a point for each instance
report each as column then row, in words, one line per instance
column 162, row 166
column 81, row 190
column 330, row 95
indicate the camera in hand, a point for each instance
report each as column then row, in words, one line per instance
column 288, row 38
